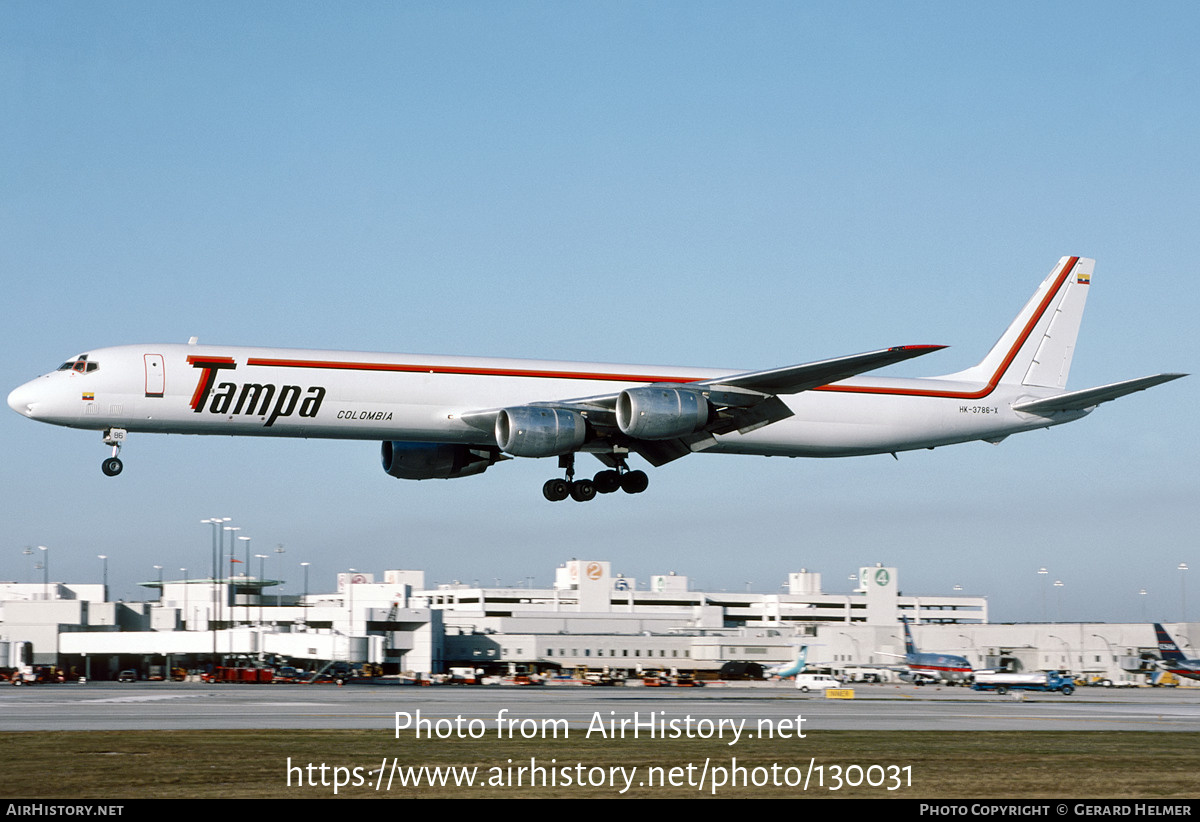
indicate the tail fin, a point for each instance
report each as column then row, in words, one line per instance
column 910, row 647
column 1038, row 346
column 1166, row 646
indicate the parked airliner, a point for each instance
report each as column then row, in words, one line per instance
column 1173, row 659
column 930, row 667
column 441, row 417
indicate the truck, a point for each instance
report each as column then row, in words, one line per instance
column 15, row 663
column 1002, row 682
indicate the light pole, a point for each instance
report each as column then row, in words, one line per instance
column 1058, row 583
column 350, row 627
column 185, row 597
column 225, row 572
column 858, row 660
column 104, row 559
column 278, row 550
column 45, row 571
column 232, row 529
column 1112, row 655
column 261, row 582
column 231, row 590
column 969, row 646
column 246, row 573
column 1043, row 572
column 305, row 565
column 218, row 558
column 161, row 599
column 1066, row 645
column 1182, row 592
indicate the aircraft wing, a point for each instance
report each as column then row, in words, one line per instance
column 796, row 378
column 1090, row 397
column 750, row 400
column 743, row 402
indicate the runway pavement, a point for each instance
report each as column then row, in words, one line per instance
column 165, row 705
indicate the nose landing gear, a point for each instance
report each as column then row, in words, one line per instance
column 113, row 466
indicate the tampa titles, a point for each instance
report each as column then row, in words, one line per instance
column 254, row 399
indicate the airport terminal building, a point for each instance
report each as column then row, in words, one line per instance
column 590, row 620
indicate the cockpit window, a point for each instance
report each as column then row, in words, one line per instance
column 79, row 365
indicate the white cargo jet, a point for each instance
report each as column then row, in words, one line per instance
column 441, row 417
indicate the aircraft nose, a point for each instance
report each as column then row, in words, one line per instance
column 22, row 399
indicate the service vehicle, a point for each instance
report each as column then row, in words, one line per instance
column 815, row 682
column 1002, row 682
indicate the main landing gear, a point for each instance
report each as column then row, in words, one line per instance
column 112, row 466
column 607, row 481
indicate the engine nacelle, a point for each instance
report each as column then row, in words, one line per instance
column 657, row 413
column 435, row 460
column 533, row 431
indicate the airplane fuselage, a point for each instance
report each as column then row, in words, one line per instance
column 1173, row 659
column 1189, row 669
column 193, row 389
column 946, row 667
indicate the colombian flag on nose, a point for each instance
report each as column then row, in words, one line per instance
column 88, row 396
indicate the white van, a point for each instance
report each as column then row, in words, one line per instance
column 815, row 682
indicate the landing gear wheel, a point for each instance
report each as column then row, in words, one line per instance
column 634, row 482
column 607, row 482
column 556, row 490
column 583, row 490
column 114, row 437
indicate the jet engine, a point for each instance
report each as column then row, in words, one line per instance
column 435, row 460
column 534, row 431
column 657, row 413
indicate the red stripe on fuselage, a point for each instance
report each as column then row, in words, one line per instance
column 408, row 368
column 1190, row 673
column 413, row 368
column 940, row 668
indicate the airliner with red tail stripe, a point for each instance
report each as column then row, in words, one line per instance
column 1173, row 659
column 923, row 666
column 442, row 417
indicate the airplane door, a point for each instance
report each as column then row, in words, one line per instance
column 156, row 378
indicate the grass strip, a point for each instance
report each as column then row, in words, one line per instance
column 103, row 765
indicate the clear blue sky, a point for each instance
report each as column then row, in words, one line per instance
column 671, row 183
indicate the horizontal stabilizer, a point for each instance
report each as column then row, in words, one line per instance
column 796, row 378
column 1090, row 397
